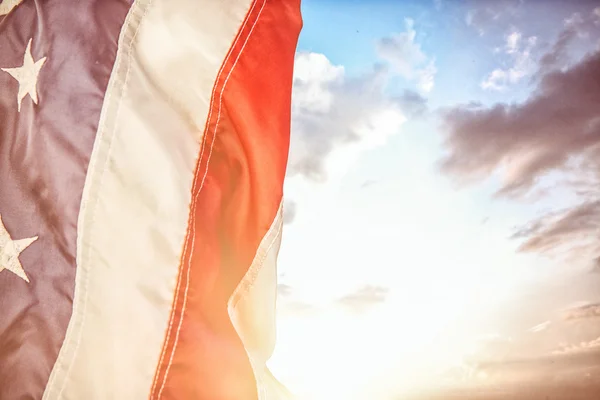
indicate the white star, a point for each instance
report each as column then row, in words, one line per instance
column 10, row 251
column 7, row 5
column 27, row 76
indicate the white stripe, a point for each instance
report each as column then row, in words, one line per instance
column 252, row 311
column 197, row 196
column 137, row 195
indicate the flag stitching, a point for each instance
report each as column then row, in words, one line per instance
column 197, row 196
column 257, row 264
column 248, row 281
column 102, row 173
column 163, row 352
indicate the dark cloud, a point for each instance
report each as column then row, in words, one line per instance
column 551, row 364
column 567, row 372
column 583, row 388
column 332, row 111
column 582, row 347
column 582, row 312
column 561, row 121
column 558, row 54
column 542, row 356
column 596, row 265
column 556, row 130
column 577, row 25
column 365, row 297
column 561, row 375
column 547, row 351
column 574, row 227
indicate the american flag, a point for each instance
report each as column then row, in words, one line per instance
column 143, row 147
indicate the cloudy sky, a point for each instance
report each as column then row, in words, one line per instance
column 442, row 201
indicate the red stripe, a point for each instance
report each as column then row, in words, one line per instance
column 236, row 194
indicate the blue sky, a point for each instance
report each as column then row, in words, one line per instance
column 347, row 32
column 442, row 200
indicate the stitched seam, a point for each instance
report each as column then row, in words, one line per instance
column 193, row 213
column 194, row 184
column 248, row 280
column 103, row 174
column 204, row 138
column 194, row 206
column 256, row 270
column 101, row 134
column 260, row 263
column 247, row 283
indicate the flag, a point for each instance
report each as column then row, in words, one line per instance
column 143, row 147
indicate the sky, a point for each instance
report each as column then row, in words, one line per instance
column 442, row 210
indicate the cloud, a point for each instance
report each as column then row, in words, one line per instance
column 560, row 365
column 559, row 122
column 584, row 311
column 426, row 77
column 591, row 345
column 596, row 265
column 512, row 42
column 550, row 349
column 289, row 304
column 519, row 52
column 576, row 26
column 553, row 135
column 485, row 13
column 336, row 117
column 289, row 211
column 368, row 183
column 490, row 347
column 284, row 290
column 576, row 227
column 540, row 327
column 401, row 50
column 529, row 358
column 365, row 297
column 407, row 58
column 567, row 328
column 412, row 103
